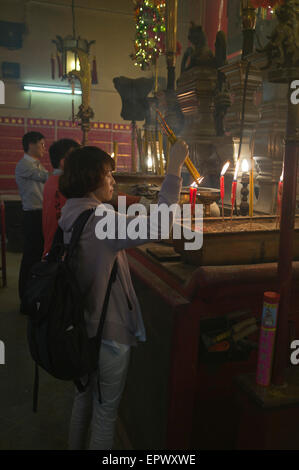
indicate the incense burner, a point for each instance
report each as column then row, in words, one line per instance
column 239, row 241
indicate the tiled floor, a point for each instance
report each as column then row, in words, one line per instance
column 20, row 428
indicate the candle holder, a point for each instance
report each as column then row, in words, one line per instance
column 244, row 206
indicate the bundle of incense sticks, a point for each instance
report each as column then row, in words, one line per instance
column 154, row 151
column 172, row 137
column 140, row 150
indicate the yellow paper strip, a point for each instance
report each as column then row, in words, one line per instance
column 172, row 138
column 168, row 152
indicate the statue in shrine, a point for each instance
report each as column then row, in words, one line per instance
column 201, row 56
column 283, row 47
column 199, row 53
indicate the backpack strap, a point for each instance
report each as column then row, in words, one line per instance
column 57, row 247
column 78, row 228
column 106, row 301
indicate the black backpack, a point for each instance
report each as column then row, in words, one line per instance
column 57, row 334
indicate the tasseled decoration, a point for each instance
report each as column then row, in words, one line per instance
column 59, row 63
column 53, row 67
column 94, row 75
column 73, row 104
column 178, row 48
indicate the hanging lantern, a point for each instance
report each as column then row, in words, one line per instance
column 67, row 54
column 73, row 64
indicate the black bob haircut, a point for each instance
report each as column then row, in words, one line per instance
column 84, row 168
column 59, row 150
column 31, row 138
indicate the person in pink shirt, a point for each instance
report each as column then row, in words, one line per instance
column 53, row 200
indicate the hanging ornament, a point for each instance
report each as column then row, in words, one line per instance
column 94, row 75
column 178, row 48
column 59, row 65
column 73, row 101
column 150, row 32
column 266, row 3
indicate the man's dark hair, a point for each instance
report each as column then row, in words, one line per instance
column 60, row 149
column 84, row 169
column 31, row 138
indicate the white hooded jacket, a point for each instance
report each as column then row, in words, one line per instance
column 94, row 261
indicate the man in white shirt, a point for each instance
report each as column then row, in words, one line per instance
column 31, row 177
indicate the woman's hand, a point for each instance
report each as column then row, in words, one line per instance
column 178, row 153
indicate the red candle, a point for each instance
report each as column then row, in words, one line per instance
column 194, row 199
column 279, row 193
column 234, row 187
column 193, row 191
column 222, row 188
column 233, row 195
column 279, row 198
column 191, row 196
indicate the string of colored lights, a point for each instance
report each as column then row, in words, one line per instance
column 150, row 32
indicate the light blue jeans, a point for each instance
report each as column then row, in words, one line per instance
column 88, row 412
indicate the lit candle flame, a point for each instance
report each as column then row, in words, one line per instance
column 200, row 180
column 282, row 175
column 245, row 166
column 193, row 185
column 149, row 163
column 236, row 170
column 224, row 169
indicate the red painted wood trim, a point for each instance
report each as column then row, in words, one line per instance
column 3, row 244
column 184, row 356
column 159, row 270
column 169, row 295
column 183, row 378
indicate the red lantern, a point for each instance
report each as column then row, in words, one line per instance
column 59, row 63
column 94, row 75
column 265, row 3
column 53, row 67
column 178, row 48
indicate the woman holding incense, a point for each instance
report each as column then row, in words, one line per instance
column 88, row 182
